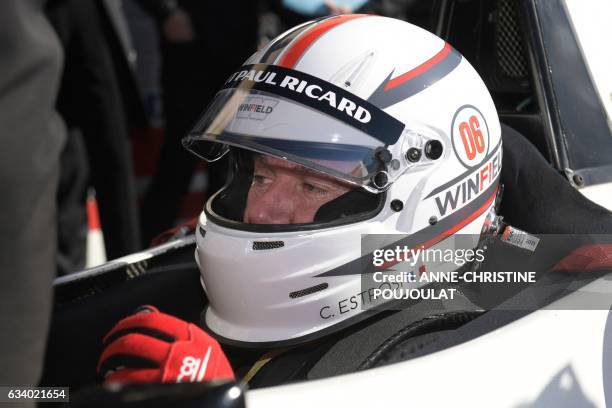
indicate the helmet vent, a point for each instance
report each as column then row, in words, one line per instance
column 265, row 245
column 202, row 232
column 308, row 291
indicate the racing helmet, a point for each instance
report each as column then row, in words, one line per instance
column 376, row 103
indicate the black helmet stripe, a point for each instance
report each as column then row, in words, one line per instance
column 394, row 90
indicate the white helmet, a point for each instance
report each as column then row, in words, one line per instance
column 373, row 101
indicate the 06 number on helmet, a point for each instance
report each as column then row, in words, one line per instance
column 472, row 137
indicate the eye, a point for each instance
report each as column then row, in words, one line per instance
column 312, row 189
column 260, row 179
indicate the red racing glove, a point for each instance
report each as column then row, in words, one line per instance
column 156, row 347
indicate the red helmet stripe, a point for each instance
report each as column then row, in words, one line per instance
column 420, row 69
column 299, row 47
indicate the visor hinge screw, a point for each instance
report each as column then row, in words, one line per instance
column 433, row 149
column 578, row 179
column 380, row 179
column 433, row 220
column 397, row 205
column 384, row 156
column 413, row 154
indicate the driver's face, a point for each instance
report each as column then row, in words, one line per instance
column 287, row 193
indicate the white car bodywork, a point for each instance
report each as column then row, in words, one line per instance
column 553, row 357
column 600, row 194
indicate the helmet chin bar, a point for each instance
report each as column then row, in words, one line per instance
column 316, row 335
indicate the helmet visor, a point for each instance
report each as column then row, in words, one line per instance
column 296, row 117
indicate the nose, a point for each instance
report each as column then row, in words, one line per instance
column 276, row 205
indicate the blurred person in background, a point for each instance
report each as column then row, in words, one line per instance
column 31, row 141
column 294, row 12
column 201, row 42
column 100, row 101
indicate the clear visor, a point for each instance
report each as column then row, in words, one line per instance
column 267, row 123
